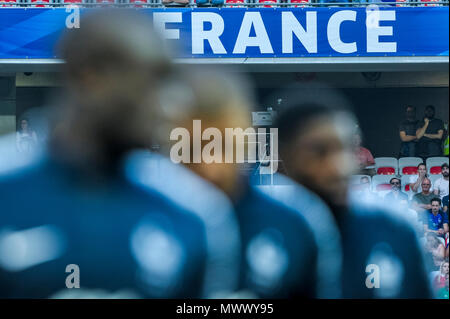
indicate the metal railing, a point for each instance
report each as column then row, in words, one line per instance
column 245, row 3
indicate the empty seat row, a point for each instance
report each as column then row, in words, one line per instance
column 407, row 165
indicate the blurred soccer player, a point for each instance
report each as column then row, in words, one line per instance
column 72, row 220
column 278, row 252
column 315, row 143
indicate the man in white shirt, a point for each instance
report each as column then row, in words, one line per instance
column 441, row 185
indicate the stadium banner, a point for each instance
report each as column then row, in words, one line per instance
column 33, row 33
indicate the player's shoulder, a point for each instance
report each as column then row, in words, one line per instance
column 152, row 200
column 381, row 216
column 29, row 176
column 274, row 208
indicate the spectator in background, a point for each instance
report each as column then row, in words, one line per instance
column 26, row 138
column 363, row 155
column 445, row 204
column 407, row 131
column 435, row 221
column 363, row 191
column 175, row 3
column 396, row 195
column 441, row 185
column 434, row 252
column 364, row 184
column 440, row 277
column 443, row 292
column 333, row 1
column 415, row 182
column 429, row 134
column 422, row 201
column 204, row 3
column 446, row 248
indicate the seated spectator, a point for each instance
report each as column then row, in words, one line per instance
column 446, row 248
column 422, row 202
column 434, row 252
column 396, row 195
column 443, row 292
column 217, row 2
column 436, row 221
column 445, row 204
column 439, row 279
column 333, row 1
column 205, row 3
column 364, row 184
column 441, row 185
column 175, row 3
column 415, row 182
column 363, row 155
column 362, row 191
column 26, row 138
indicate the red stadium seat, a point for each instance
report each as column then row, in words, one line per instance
column 380, row 184
column 383, row 187
column 299, row 1
column 401, row 3
column 138, row 3
column 268, row 1
column 386, row 171
column 409, row 170
column 235, row 2
column 72, row 2
column 386, row 165
column 41, row 4
column 431, row 4
column 408, row 165
column 435, row 170
column 13, row 3
column 434, row 164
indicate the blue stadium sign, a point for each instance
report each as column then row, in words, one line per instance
column 253, row 32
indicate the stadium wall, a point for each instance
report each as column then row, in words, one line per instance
column 7, row 104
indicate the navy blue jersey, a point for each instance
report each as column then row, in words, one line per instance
column 362, row 242
column 435, row 222
column 382, row 257
column 187, row 189
column 124, row 240
column 278, row 248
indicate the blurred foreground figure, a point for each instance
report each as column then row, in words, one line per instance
column 278, row 251
column 381, row 254
column 203, row 199
column 72, row 220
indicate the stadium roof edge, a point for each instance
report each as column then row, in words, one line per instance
column 310, row 64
